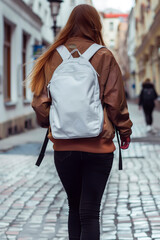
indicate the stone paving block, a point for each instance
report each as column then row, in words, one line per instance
column 140, row 234
column 33, row 204
column 155, row 235
column 144, row 238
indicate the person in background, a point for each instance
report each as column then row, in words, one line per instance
column 84, row 164
column 147, row 99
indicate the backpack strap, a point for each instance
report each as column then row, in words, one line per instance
column 120, row 154
column 91, row 51
column 63, row 52
column 119, row 145
column 43, row 149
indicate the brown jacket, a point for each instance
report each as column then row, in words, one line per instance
column 111, row 93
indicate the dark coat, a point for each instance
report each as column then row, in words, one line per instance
column 143, row 99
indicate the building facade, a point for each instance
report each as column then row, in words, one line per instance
column 21, row 30
column 120, row 48
column 111, row 19
column 130, row 46
column 147, row 53
column 121, row 53
column 66, row 8
column 25, row 33
column 114, row 28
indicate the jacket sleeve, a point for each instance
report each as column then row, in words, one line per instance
column 41, row 105
column 141, row 98
column 156, row 95
column 115, row 100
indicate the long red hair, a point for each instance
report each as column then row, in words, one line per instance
column 84, row 21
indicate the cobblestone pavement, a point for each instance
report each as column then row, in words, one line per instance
column 33, row 204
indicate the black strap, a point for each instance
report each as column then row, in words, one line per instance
column 119, row 145
column 120, row 154
column 43, row 149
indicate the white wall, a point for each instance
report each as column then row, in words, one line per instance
column 131, row 51
column 65, row 10
column 1, row 60
column 33, row 17
column 20, row 22
column 110, row 35
column 42, row 9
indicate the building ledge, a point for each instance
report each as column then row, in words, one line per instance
column 24, row 11
column 10, row 104
column 157, row 8
column 149, row 35
column 26, row 102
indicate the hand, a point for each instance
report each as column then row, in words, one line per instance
column 125, row 141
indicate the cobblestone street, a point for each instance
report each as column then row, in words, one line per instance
column 33, row 204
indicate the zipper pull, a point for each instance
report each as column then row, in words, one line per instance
column 48, row 89
column 98, row 74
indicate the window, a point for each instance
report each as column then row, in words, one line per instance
column 72, row 2
column 40, row 5
column 137, row 20
column 7, row 62
column 111, row 26
column 112, row 43
column 30, row 3
column 45, row 13
column 45, row 45
column 142, row 13
column 148, row 5
column 24, row 52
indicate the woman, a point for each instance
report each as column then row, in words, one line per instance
column 84, row 164
column 146, row 100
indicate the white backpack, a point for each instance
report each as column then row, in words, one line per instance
column 76, row 110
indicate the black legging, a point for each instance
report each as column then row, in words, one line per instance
column 148, row 110
column 84, row 176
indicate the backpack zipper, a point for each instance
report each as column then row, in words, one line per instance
column 98, row 74
column 48, row 89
